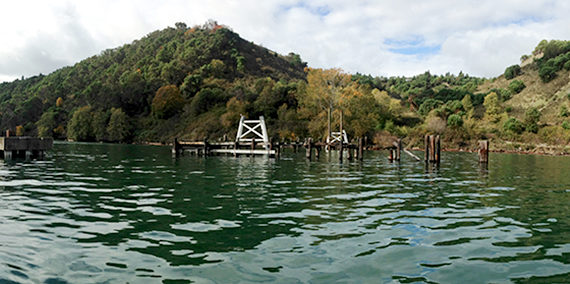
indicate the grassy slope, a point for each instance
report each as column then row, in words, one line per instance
column 547, row 97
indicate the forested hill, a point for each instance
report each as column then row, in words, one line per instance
column 202, row 67
column 195, row 82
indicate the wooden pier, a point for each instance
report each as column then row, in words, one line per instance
column 206, row 148
column 24, row 147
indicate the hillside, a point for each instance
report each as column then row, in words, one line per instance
column 194, row 83
column 209, row 58
column 546, row 97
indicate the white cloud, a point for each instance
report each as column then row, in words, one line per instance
column 376, row 37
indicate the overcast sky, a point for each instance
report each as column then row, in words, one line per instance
column 384, row 38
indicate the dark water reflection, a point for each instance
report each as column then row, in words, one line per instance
column 121, row 213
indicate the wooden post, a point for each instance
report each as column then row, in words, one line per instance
column 398, row 149
column 432, row 148
column 8, row 132
column 236, row 147
column 349, row 151
column 341, row 139
column 391, row 155
column 295, row 145
column 309, row 153
column 206, row 147
column 437, row 149
column 355, row 149
column 360, row 149
column 317, row 151
column 484, row 151
column 252, row 146
column 175, row 147
column 330, row 129
column 340, row 150
column 426, row 146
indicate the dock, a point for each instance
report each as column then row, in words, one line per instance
column 24, row 147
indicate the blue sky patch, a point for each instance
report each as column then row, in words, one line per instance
column 413, row 46
column 321, row 11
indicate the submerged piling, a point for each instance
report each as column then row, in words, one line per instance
column 484, row 151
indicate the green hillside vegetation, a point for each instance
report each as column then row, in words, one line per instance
column 194, row 83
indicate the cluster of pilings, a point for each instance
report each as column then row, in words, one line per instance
column 353, row 150
column 432, row 152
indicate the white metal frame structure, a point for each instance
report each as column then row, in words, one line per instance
column 337, row 137
column 252, row 127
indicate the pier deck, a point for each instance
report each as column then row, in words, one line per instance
column 28, row 147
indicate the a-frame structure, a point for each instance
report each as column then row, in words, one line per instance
column 252, row 130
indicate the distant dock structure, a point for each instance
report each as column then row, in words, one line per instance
column 24, row 147
column 251, row 135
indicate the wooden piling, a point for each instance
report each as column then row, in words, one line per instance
column 484, row 151
column 295, row 145
column 317, row 151
column 175, row 147
column 341, row 139
column 437, row 150
column 360, row 149
column 252, row 146
column 236, row 147
column 426, row 146
column 432, row 148
column 391, row 155
column 206, row 148
column 340, row 150
column 398, row 149
column 309, row 148
column 278, row 150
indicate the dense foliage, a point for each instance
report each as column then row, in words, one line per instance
column 555, row 57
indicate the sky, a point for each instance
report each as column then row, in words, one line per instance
column 381, row 38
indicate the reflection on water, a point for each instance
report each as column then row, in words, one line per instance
column 121, row 213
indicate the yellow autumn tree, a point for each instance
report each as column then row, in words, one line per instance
column 59, row 102
column 323, row 93
column 19, row 130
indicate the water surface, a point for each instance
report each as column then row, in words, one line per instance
column 97, row 213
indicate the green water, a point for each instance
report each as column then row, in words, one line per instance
column 95, row 213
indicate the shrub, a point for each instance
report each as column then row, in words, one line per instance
column 547, row 72
column 492, row 105
column 207, row 98
column 428, row 105
column 532, row 116
column 566, row 125
column 516, row 86
column 454, row 121
column 563, row 111
column 512, row 71
column 513, row 125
